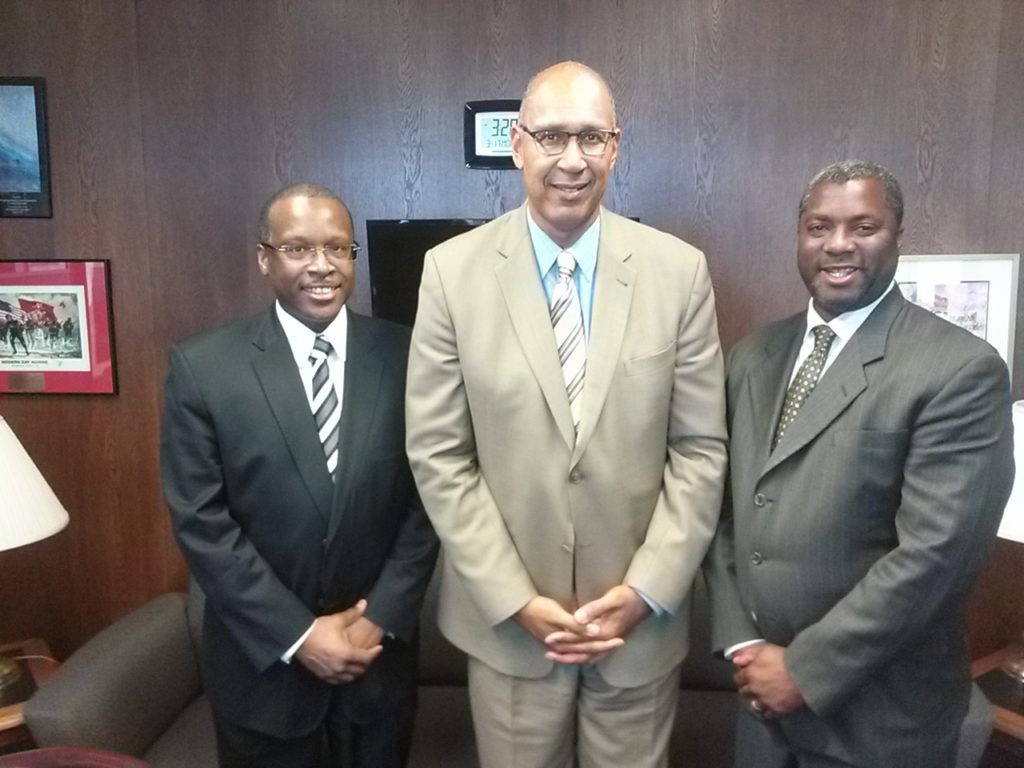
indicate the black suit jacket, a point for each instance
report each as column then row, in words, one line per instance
column 271, row 541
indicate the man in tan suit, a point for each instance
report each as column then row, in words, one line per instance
column 566, row 430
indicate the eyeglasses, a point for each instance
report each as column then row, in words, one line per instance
column 592, row 141
column 303, row 252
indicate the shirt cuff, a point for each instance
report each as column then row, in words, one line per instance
column 286, row 657
column 655, row 608
column 732, row 649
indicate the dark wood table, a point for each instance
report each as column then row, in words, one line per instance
column 1006, row 748
column 36, row 668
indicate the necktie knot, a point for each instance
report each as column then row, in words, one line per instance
column 823, row 336
column 321, row 348
column 566, row 264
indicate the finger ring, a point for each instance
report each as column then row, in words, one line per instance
column 756, row 706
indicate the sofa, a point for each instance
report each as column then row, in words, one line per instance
column 136, row 688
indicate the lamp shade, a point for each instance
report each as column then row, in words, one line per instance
column 1012, row 526
column 29, row 510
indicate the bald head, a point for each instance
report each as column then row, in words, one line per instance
column 565, row 179
column 567, row 78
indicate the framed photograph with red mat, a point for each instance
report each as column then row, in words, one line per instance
column 56, row 327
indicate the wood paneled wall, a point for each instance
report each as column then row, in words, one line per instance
column 171, row 122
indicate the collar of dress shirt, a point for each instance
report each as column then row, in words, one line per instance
column 584, row 250
column 846, row 324
column 301, row 337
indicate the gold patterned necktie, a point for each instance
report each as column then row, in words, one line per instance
column 806, row 378
column 326, row 408
column 567, row 321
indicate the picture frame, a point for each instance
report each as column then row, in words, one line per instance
column 976, row 291
column 56, row 327
column 24, row 149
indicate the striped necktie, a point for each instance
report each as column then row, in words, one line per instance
column 805, row 380
column 567, row 320
column 326, row 408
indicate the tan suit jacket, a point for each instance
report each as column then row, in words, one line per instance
column 523, row 508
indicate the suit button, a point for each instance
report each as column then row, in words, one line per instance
column 575, row 476
column 323, row 542
column 756, row 558
column 760, row 500
column 567, row 548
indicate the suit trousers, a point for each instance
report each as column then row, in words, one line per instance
column 337, row 743
column 570, row 717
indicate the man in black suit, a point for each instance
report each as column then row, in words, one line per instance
column 283, row 463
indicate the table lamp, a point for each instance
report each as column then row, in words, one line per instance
column 29, row 511
column 1012, row 525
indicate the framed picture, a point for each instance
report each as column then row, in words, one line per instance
column 24, row 157
column 56, row 328
column 976, row 291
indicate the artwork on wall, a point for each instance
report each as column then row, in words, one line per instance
column 24, row 156
column 56, row 327
column 976, row 291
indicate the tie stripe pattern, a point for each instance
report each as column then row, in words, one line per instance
column 567, row 321
column 326, row 408
column 805, row 381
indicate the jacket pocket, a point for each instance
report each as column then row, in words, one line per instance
column 653, row 362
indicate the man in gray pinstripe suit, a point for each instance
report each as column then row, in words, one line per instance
column 855, row 528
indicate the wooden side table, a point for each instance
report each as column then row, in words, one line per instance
column 36, row 669
column 1006, row 748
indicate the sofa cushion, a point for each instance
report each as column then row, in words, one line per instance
column 705, row 731
column 190, row 742
column 443, row 734
column 121, row 700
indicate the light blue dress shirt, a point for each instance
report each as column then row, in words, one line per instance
column 584, row 250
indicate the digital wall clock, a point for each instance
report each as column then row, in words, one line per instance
column 487, row 133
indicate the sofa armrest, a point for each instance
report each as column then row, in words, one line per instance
column 124, row 687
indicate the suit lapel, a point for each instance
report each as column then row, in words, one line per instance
column 363, row 371
column 528, row 310
column 275, row 369
column 766, row 384
column 613, row 294
column 842, row 383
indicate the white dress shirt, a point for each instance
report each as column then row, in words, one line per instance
column 300, row 339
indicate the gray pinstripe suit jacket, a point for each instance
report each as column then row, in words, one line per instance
column 856, row 542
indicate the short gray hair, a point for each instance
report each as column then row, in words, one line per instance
column 849, row 170
column 294, row 190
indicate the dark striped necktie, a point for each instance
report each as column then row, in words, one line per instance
column 567, row 320
column 806, row 379
column 326, row 408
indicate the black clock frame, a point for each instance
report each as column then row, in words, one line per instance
column 473, row 160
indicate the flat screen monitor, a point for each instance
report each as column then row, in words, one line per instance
column 396, row 249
